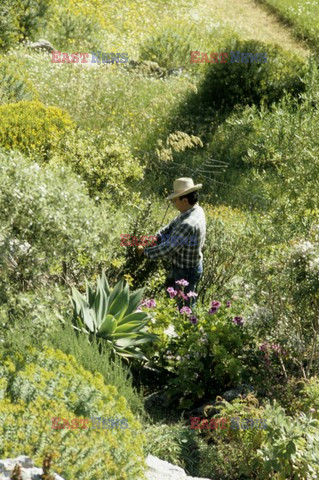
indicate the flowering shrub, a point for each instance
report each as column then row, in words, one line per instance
column 205, row 351
column 53, row 384
column 31, row 127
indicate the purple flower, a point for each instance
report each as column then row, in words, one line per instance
column 182, row 282
column 215, row 304
column 238, row 321
column 148, row 303
column 138, row 309
column 213, row 310
column 185, row 310
column 228, row 303
column 193, row 319
column 192, row 294
column 172, row 292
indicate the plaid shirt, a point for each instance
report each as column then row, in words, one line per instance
column 191, row 224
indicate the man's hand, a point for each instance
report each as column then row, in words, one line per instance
column 139, row 250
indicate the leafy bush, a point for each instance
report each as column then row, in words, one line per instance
column 107, row 166
column 33, row 128
column 170, row 47
column 176, row 444
column 52, row 383
column 291, row 446
column 231, row 83
column 14, row 84
column 205, row 353
column 287, row 447
column 43, row 232
column 89, row 356
column 20, row 20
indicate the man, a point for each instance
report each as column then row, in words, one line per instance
column 183, row 238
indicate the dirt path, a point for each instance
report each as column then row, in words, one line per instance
column 252, row 21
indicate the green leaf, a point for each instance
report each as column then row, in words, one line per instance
column 108, row 326
column 134, row 317
column 104, row 283
column 131, row 327
column 90, row 296
column 120, row 303
column 100, row 306
column 134, row 300
column 116, row 290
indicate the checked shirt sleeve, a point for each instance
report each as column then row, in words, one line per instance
column 168, row 248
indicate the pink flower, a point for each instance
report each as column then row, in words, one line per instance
column 182, row 282
column 215, row 304
column 182, row 295
column 148, row 303
column 185, row 310
column 138, row 309
column 192, row 294
column 172, row 292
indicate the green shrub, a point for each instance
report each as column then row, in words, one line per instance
column 20, row 20
column 287, row 448
column 107, row 166
column 170, row 47
column 33, row 128
column 14, row 84
column 42, row 212
column 203, row 356
column 228, row 84
column 52, row 383
column 176, row 444
column 89, row 356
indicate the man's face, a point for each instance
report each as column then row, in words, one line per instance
column 181, row 205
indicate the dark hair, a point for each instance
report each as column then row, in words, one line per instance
column 192, row 197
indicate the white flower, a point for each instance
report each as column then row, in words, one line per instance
column 170, row 331
column 314, row 264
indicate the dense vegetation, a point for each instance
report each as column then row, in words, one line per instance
column 87, row 153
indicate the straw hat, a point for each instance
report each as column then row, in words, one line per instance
column 183, row 186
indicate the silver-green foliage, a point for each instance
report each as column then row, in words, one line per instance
column 112, row 316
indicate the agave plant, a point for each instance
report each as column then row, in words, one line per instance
column 112, row 316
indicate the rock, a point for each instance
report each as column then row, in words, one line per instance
column 42, row 45
column 28, row 471
column 147, row 67
column 162, row 470
column 230, row 395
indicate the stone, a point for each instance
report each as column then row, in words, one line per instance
column 42, row 45
column 28, row 471
column 162, row 470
